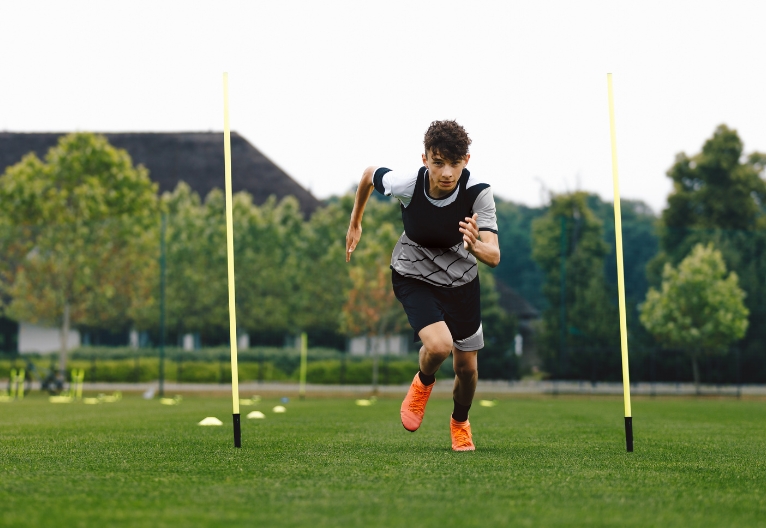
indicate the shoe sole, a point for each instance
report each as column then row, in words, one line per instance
column 410, row 430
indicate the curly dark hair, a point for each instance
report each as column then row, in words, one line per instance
column 448, row 139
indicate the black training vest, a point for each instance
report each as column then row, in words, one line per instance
column 438, row 227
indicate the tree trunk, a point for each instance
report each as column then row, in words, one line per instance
column 696, row 372
column 64, row 342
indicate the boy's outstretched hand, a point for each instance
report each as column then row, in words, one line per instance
column 352, row 239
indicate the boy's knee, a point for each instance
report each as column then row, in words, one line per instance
column 466, row 370
column 439, row 346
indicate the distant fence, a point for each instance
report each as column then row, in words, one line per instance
column 598, row 364
column 330, row 366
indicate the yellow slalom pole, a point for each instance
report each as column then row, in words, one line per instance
column 620, row 273
column 304, row 353
column 230, row 261
column 80, row 377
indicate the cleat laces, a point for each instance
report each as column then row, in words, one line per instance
column 418, row 402
column 462, row 438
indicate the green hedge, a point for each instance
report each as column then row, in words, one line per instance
column 144, row 369
column 360, row 372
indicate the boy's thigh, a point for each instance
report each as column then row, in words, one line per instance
column 461, row 307
column 436, row 337
column 420, row 302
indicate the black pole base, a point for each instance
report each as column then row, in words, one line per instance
column 629, row 433
column 237, row 431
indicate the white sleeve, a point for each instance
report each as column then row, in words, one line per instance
column 484, row 206
column 399, row 184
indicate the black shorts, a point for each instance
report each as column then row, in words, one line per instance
column 459, row 308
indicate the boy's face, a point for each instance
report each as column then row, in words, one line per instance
column 443, row 174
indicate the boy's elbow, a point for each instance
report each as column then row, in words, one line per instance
column 368, row 175
column 491, row 262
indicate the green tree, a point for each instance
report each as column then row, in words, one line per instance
column 497, row 359
column 715, row 189
column 196, row 286
column 517, row 268
column 265, row 239
column 640, row 243
column 698, row 308
column 321, row 274
column 719, row 197
column 718, row 189
column 82, row 246
column 572, row 259
column 267, row 243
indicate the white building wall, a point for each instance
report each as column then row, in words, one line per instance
column 395, row 345
column 44, row 340
column 191, row 341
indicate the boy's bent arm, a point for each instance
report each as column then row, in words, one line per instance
column 483, row 245
column 363, row 193
column 487, row 249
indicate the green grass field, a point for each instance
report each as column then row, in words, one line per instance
column 541, row 461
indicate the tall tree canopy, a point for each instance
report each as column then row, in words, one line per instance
column 568, row 245
column 79, row 235
column 640, row 243
column 268, row 244
column 719, row 197
column 517, row 268
column 716, row 189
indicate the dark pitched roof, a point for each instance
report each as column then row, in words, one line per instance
column 515, row 304
column 194, row 157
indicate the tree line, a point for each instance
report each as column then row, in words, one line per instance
column 694, row 276
column 80, row 237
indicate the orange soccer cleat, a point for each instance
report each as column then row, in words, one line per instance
column 414, row 404
column 461, row 435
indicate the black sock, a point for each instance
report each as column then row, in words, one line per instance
column 460, row 412
column 426, row 379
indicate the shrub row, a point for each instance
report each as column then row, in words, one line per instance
column 143, row 369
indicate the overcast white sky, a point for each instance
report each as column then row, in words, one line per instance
column 327, row 88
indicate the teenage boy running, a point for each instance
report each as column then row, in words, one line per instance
column 449, row 223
